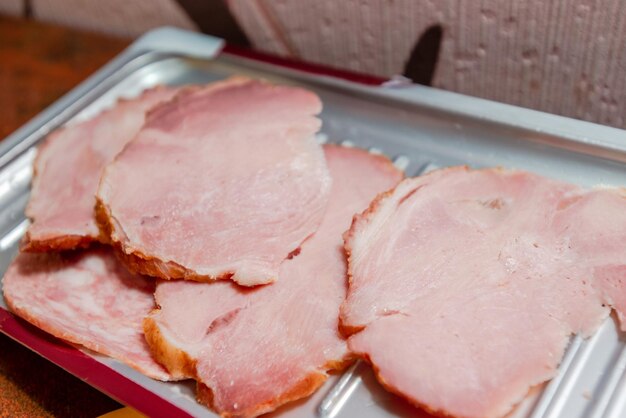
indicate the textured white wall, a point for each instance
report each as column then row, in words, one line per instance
column 561, row 56
column 114, row 17
column 11, row 7
column 566, row 57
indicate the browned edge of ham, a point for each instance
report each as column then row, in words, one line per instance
column 64, row 243
column 139, row 263
column 177, row 361
column 346, row 329
column 136, row 261
column 360, row 221
column 305, row 388
column 181, row 366
column 349, row 330
column 168, row 350
column 139, row 260
column 47, row 239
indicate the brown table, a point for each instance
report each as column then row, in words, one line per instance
column 38, row 64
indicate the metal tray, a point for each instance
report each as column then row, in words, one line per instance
column 419, row 128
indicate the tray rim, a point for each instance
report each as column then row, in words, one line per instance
column 563, row 132
column 162, row 43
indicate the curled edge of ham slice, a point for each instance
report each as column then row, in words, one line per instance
column 220, row 333
column 136, row 260
column 67, row 170
column 86, row 298
column 130, row 242
column 592, row 223
column 181, row 365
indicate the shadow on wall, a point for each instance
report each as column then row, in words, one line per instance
column 214, row 18
column 422, row 62
column 564, row 56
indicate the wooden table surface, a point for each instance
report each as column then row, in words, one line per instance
column 38, row 64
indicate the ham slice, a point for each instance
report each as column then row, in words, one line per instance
column 227, row 181
column 466, row 285
column 68, row 168
column 85, row 298
column 253, row 350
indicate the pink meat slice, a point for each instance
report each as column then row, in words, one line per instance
column 253, row 350
column 227, row 181
column 85, row 298
column 595, row 223
column 68, row 168
column 466, row 285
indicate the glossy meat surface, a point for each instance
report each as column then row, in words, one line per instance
column 227, row 181
column 85, row 298
column 466, row 285
column 253, row 350
column 68, row 168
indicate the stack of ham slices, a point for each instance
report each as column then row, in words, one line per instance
column 203, row 233
column 213, row 220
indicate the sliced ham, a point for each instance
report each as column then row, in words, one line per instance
column 68, row 168
column 85, row 298
column 595, row 223
column 253, row 350
column 227, row 182
column 466, row 285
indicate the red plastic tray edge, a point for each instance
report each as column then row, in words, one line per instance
column 307, row 67
column 87, row 368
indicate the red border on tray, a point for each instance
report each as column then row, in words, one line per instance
column 307, row 67
column 87, row 368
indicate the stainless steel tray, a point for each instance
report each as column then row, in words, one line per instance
column 419, row 128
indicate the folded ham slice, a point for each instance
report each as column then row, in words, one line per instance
column 253, row 350
column 68, row 168
column 85, row 298
column 227, row 181
column 466, row 285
